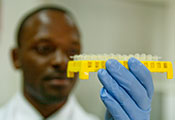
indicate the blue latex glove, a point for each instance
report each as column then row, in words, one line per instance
column 127, row 94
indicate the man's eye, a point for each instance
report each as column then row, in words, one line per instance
column 73, row 52
column 44, row 50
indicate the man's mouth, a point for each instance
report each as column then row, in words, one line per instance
column 57, row 80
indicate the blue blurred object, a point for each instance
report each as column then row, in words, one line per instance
column 127, row 94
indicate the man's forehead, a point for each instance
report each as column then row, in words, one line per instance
column 50, row 24
column 48, row 17
column 44, row 18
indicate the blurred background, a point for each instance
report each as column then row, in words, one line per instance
column 107, row 26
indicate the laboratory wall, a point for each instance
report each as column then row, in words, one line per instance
column 107, row 26
column 0, row 17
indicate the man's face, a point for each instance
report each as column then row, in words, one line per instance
column 48, row 39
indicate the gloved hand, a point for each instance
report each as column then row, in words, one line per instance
column 127, row 94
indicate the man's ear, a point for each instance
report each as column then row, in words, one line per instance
column 15, row 58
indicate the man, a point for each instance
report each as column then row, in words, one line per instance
column 46, row 39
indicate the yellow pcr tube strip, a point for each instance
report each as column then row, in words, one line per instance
column 83, row 67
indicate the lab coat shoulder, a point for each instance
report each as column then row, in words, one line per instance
column 6, row 111
column 16, row 109
column 85, row 116
column 3, row 113
column 81, row 113
column 74, row 110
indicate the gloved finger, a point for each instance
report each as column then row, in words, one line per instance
column 128, row 81
column 113, row 106
column 108, row 116
column 120, row 95
column 142, row 74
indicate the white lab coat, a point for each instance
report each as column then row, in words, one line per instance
column 20, row 109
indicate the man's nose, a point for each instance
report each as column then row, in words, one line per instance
column 59, row 61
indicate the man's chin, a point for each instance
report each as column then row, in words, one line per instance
column 44, row 96
column 53, row 99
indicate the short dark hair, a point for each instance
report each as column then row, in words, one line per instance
column 33, row 12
